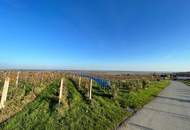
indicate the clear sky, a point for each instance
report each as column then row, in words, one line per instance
column 145, row 35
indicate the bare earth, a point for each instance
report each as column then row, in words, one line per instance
column 168, row 111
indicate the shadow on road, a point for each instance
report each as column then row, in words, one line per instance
column 140, row 126
column 184, row 117
column 176, row 99
column 170, row 104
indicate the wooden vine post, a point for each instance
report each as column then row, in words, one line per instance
column 73, row 76
column 17, row 79
column 61, row 90
column 4, row 93
column 90, row 90
column 80, row 81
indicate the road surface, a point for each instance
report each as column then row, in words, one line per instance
column 170, row 110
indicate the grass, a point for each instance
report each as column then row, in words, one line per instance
column 102, row 113
column 18, row 98
column 138, row 99
column 187, row 82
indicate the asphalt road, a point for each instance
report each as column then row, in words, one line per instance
column 170, row 110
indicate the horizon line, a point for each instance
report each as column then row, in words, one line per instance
column 89, row 70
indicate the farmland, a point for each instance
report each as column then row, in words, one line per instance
column 36, row 104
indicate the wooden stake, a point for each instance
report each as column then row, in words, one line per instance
column 17, row 79
column 73, row 76
column 90, row 92
column 4, row 93
column 61, row 90
column 79, row 82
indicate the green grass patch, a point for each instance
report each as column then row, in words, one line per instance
column 140, row 98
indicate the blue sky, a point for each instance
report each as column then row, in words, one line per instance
column 135, row 35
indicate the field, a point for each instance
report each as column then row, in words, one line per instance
column 34, row 104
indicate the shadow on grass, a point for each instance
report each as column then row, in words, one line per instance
column 53, row 102
column 123, row 90
column 82, row 92
column 103, row 94
column 100, row 92
column 97, row 91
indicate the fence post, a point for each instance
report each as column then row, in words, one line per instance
column 4, row 93
column 90, row 92
column 61, row 90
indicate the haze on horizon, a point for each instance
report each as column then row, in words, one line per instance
column 129, row 35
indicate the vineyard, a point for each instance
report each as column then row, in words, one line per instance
column 71, row 101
